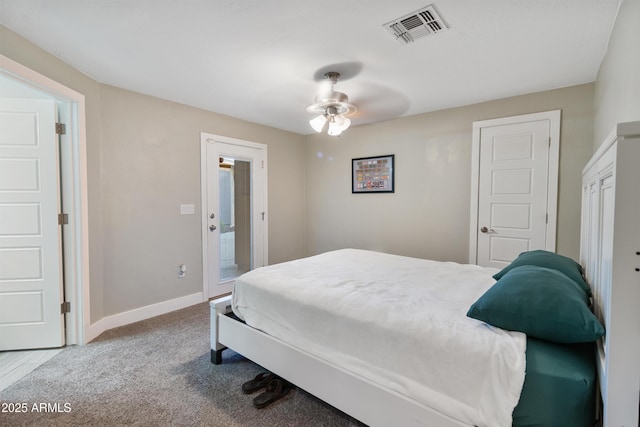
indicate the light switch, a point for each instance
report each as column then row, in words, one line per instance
column 187, row 209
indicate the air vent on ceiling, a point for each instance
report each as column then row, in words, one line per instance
column 422, row 23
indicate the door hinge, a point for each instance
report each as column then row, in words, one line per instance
column 61, row 128
column 63, row 218
column 263, row 215
column 263, row 164
column 65, row 307
column 546, row 221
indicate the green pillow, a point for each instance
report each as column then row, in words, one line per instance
column 541, row 302
column 551, row 260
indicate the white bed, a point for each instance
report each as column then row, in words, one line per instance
column 387, row 320
column 387, row 394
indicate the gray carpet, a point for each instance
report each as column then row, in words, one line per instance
column 155, row 373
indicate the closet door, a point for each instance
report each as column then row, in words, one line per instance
column 514, row 191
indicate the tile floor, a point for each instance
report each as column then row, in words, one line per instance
column 16, row 364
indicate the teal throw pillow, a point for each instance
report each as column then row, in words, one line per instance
column 542, row 258
column 541, row 302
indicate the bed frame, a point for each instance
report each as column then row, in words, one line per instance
column 354, row 395
column 610, row 253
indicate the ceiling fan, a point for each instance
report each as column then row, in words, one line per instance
column 332, row 108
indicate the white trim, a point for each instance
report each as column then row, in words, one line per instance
column 143, row 313
column 475, row 184
column 76, row 236
column 554, row 118
column 554, row 174
column 204, row 219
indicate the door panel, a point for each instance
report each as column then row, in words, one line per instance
column 30, row 239
column 513, row 189
column 511, row 216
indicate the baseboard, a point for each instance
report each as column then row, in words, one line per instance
column 93, row 331
column 142, row 313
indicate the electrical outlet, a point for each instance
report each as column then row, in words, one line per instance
column 182, row 271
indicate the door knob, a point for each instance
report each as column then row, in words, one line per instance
column 484, row 229
column 212, row 227
column 212, row 216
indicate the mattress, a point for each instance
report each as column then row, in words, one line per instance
column 560, row 386
column 395, row 321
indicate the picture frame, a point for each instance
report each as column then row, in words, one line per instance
column 373, row 174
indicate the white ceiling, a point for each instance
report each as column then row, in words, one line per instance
column 261, row 60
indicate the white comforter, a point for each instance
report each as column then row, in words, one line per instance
column 397, row 321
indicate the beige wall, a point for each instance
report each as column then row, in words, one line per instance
column 151, row 165
column 143, row 162
column 617, row 89
column 428, row 215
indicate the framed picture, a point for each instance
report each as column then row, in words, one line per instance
column 372, row 174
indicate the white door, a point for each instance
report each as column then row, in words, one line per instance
column 517, row 184
column 235, row 217
column 30, row 237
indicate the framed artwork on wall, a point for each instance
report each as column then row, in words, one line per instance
column 372, row 174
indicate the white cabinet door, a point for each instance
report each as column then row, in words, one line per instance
column 30, row 240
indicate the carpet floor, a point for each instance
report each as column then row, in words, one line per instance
column 154, row 373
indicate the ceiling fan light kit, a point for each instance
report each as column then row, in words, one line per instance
column 332, row 109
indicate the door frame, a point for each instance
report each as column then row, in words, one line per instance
column 205, row 139
column 553, row 117
column 73, row 175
